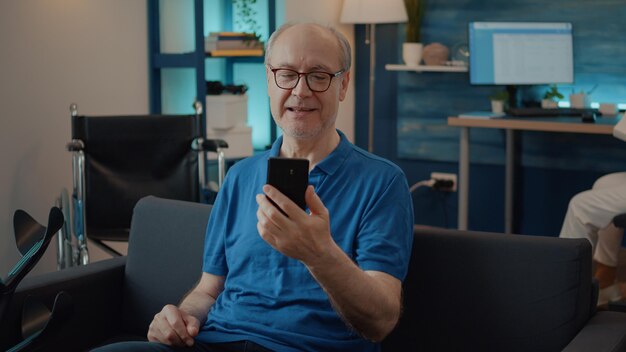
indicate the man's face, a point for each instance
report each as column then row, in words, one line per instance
column 300, row 112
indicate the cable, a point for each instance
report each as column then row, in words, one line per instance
column 439, row 186
column 436, row 184
column 428, row 183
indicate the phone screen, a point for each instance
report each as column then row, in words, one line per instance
column 290, row 176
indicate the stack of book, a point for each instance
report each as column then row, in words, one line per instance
column 233, row 44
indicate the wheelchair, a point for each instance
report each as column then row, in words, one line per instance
column 117, row 160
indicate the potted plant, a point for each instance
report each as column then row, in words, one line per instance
column 550, row 97
column 499, row 100
column 412, row 47
column 581, row 99
column 246, row 19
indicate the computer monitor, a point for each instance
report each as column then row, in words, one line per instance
column 520, row 53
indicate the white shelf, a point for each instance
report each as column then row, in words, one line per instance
column 425, row 68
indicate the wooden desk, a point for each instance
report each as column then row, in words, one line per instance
column 553, row 124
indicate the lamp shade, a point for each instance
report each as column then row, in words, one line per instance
column 373, row 11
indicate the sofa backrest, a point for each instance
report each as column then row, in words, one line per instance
column 164, row 257
column 493, row 292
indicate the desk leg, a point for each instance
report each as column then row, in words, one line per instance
column 463, row 178
column 508, row 190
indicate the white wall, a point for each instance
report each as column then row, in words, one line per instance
column 94, row 53
column 328, row 12
column 52, row 53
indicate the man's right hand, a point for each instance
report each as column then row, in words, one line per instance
column 173, row 326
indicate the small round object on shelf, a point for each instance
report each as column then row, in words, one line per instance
column 435, row 54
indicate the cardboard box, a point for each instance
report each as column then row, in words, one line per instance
column 239, row 139
column 226, row 111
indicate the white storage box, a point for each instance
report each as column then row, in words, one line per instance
column 226, row 111
column 239, row 139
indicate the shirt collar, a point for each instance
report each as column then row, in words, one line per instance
column 331, row 163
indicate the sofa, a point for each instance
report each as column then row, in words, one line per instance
column 465, row 291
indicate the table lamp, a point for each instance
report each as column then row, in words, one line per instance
column 371, row 12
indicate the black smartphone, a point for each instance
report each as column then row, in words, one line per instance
column 290, row 176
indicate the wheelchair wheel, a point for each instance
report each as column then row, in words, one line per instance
column 64, row 236
column 81, row 252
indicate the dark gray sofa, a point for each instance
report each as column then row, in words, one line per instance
column 466, row 291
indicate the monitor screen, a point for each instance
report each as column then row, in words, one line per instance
column 521, row 53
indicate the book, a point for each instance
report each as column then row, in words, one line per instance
column 231, row 36
column 236, row 52
column 232, row 45
column 231, row 41
column 481, row 115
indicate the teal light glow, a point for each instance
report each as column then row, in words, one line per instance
column 253, row 75
column 178, row 90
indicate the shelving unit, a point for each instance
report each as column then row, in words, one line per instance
column 425, row 68
column 196, row 59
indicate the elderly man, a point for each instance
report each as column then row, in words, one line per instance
column 324, row 279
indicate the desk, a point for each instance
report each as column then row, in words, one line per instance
column 553, row 124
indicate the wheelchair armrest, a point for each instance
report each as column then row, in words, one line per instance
column 96, row 292
column 212, row 145
column 75, row 145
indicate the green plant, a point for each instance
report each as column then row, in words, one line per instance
column 501, row 95
column 245, row 17
column 552, row 93
column 415, row 13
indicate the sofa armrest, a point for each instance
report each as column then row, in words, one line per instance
column 95, row 292
column 605, row 331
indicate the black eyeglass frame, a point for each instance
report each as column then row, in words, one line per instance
column 306, row 75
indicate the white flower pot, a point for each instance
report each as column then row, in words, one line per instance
column 579, row 100
column 497, row 106
column 412, row 53
column 549, row 104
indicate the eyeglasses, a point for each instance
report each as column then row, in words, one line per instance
column 317, row 81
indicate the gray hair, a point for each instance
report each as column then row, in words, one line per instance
column 345, row 51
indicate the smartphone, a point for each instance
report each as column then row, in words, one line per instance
column 290, row 176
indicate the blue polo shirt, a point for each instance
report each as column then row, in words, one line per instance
column 273, row 300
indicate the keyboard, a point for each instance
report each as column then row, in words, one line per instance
column 541, row 112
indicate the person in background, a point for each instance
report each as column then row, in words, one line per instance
column 326, row 279
column 589, row 215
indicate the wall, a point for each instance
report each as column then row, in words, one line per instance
column 54, row 52
column 412, row 108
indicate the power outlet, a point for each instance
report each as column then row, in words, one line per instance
column 442, row 176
